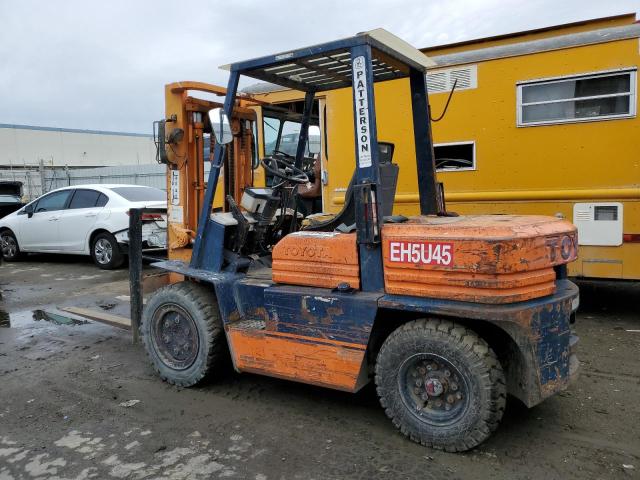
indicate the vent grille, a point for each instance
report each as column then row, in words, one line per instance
column 442, row 80
column 583, row 215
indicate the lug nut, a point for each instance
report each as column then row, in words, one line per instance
column 422, row 370
column 453, row 386
column 447, row 373
column 438, row 403
column 419, row 382
column 416, row 391
column 450, row 399
column 459, row 396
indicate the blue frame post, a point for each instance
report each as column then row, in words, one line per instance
column 304, row 127
column 366, row 188
column 425, row 159
column 197, row 257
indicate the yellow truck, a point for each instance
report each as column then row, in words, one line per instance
column 540, row 122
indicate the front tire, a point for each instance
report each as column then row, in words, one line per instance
column 105, row 251
column 183, row 333
column 9, row 246
column 440, row 384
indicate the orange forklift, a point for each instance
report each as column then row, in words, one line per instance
column 447, row 314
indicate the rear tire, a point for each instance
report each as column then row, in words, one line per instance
column 183, row 333
column 440, row 384
column 105, row 251
column 9, row 246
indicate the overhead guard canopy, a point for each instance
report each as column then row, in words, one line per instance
column 328, row 66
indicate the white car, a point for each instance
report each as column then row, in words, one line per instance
column 84, row 220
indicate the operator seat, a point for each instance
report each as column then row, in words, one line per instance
column 388, row 184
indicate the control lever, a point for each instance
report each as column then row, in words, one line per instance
column 243, row 225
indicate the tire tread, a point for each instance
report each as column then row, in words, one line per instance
column 204, row 299
column 485, row 358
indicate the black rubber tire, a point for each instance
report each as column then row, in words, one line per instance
column 474, row 360
column 18, row 255
column 117, row 257
column 199, row 302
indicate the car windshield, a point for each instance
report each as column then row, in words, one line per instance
column 141, row 194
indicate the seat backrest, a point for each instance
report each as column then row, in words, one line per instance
column 388, row 183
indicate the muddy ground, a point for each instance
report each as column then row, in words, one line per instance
column 79, row 401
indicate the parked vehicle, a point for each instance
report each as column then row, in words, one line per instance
column 10, row 197
column 84, row 220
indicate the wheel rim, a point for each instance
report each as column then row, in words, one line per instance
column 8, row 245
column 103, row 251
column 175, row 336
column 433, row 389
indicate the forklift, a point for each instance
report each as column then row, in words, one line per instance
column 446, row 314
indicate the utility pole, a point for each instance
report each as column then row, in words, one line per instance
column 43, row 180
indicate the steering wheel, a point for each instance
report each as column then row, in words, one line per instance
column 276, row 166
column 287, row 156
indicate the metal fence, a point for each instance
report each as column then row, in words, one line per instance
column 41, row 179
column 148, row 175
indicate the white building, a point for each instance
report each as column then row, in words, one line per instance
column 25, row 145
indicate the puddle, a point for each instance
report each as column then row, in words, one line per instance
column 21, row 319
column 4, row 319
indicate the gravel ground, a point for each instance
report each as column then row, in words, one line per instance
column 79, row 401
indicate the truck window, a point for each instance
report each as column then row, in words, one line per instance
column 289, row 139
column 455, row 156
column 271, row 128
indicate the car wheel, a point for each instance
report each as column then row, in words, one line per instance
column 105, row 251
column 441, row 384
column 9, row 246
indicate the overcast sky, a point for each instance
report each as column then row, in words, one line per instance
column 103, row 65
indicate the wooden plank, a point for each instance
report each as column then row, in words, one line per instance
column 102, row 317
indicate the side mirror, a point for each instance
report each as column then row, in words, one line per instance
column 29, row 210
column 220, row 126
column 314, row 139
column 159, row 140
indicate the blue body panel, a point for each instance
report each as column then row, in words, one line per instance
column 322, row 313
column 540, row 327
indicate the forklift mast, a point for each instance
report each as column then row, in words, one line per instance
column 181, row 145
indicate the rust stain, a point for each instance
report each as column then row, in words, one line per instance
column 234, row 316
column 259, row 313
